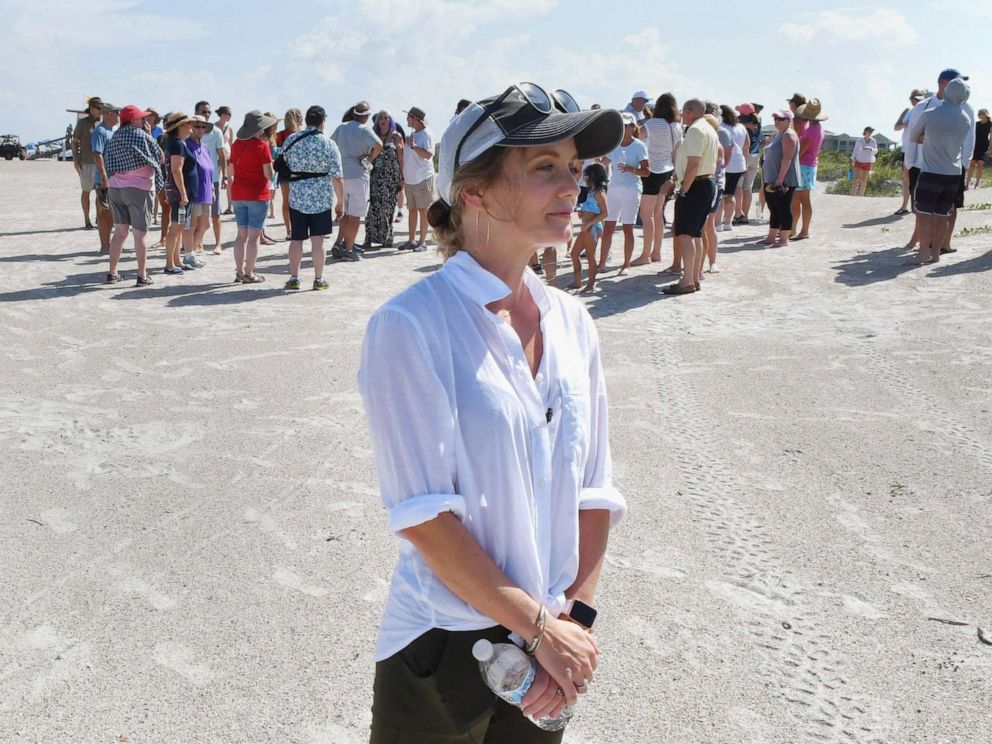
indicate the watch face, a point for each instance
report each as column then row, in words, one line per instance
column 582, row 613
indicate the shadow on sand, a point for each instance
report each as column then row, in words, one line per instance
column 970, row 265
column 875, row 266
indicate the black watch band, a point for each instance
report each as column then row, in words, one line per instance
column 581, row 613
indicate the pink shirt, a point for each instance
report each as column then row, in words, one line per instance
column 141, row 178
column 812, row 136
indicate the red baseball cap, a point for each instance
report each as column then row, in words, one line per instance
column 131, row 112
column 745, row 109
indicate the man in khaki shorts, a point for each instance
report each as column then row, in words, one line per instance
column 82, row 153
column 359, row 147
column 418, row 173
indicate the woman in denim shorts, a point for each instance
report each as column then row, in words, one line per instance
column 251, row 161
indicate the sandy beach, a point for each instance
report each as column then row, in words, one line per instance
column 192, row 546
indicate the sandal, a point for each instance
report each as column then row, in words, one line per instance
column 239, row 278
column 252, row 279
column 800, row 236
column 678, row 289
column 114, row 278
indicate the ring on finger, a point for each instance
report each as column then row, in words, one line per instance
column 582, row 689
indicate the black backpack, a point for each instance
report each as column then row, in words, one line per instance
column 281, row 167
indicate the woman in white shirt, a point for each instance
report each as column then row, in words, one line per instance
column 663, row 133
column 862, row 160
column 487, row 406
column 736, row 168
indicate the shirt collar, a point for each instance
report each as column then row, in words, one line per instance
column 482, row 287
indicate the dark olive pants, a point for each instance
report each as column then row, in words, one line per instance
column 431, row 692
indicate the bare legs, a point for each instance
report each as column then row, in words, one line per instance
column 414, row 216
column 246, row 252
column 930, row 229
column 860, row 185
column 84, row 202
column 975, row 168
column 199, row 228
column 802, row 207
column 317, row 255
column 585, row 242
column 172, row 243
column 215, row 219
column 905, row 190
column 349, row 230
column 710, row 242
column 649, row 220
column 690, row 249
column 104, row 225
column 284, row 188
column 628, row 248
column 140, row 248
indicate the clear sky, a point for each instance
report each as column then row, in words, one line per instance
column 860, row 60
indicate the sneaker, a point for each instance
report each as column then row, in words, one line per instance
column 172, row 270
column 406, row 245
column 114, row 278
column 399, row 216
column 198, row 262
column 337, row 249
column 293, row 283
column 351, row 255
column 319, row 284
column 727, row 227
column 143, row 281
column 419, row 248
column 359, row 249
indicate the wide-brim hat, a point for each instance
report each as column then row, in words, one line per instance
column 255, row 122
column 176, row 119
column 811, row 111
column 109, row 108
column 417, row 113
column 515, row 123
column 198, row 119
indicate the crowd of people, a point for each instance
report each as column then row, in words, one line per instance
column 710, row 159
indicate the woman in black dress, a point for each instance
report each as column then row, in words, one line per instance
column 386, row 176
column 982, row 129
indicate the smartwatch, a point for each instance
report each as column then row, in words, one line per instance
column 581, row 613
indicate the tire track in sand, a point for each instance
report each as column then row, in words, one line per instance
column 794, row 651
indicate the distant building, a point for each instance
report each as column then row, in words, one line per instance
column 833, row 142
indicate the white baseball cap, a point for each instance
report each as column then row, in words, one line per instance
column 641, row 94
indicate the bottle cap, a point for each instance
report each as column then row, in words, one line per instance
column 482, row 650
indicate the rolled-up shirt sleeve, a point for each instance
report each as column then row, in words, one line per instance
column 411, row 422
column 597, row 490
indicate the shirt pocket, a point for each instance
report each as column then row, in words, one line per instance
column 573, row 428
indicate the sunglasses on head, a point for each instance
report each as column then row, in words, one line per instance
column 533, row 94
column 565, row 102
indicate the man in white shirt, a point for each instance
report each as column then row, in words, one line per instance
column 418, row 174
column 636, row 106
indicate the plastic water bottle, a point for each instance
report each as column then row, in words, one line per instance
column 509, row 672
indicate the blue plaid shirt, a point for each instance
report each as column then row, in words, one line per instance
column 131, row 148
column 315, row 154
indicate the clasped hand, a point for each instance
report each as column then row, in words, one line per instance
column 567, row 658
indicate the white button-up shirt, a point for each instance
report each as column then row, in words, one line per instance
column 459, row 424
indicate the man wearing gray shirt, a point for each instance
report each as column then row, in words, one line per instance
column 359, row 146
column 941, row 134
